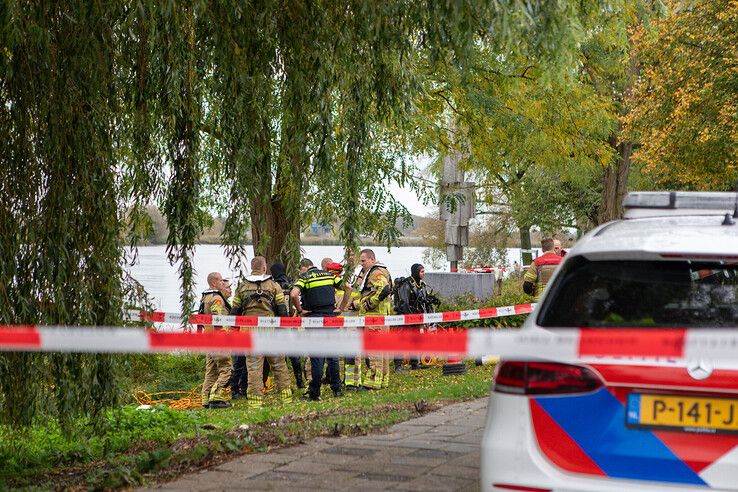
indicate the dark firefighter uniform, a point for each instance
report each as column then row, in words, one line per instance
column 374, row 299
column 259, row 295
column 217, row 366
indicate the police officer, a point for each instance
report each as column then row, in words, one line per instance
column 375, row 291
column 349, row 361
column 314, row 296
column 217, row 366
column 259, row 295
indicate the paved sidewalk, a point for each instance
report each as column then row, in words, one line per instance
column 439, row 451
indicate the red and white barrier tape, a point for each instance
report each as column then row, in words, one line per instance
column 497, row 269
column 623, row 345
column 337, row 322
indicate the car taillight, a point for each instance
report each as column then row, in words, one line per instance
column 541, row 378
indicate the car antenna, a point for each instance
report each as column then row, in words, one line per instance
column 730, row 220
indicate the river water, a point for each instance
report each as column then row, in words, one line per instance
column 161, row 279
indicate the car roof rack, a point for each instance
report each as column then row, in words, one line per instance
column 673, row 203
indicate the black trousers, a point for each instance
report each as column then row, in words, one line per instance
column 317, row 363
column 297, row 369
column 240, row 376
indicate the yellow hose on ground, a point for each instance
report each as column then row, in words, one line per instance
column 186, row 400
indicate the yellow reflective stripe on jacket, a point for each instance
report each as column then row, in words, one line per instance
column 531, row 275
column 319, row 282
column 214, row 305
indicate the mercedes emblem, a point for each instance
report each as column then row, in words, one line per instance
column 699, row 369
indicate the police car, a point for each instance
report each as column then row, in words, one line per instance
column 628, row 423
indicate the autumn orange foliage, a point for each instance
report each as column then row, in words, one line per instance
column 685, row 106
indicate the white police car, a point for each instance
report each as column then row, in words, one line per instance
column 638, row 423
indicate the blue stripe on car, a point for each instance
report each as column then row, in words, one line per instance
column 596, row 422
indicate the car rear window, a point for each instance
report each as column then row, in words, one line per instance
column 642, row 293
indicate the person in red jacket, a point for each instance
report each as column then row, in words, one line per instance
column 541, row 270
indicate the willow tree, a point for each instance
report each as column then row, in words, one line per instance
column 534, row 131
column 274, row 111
column 60, row 229
column 314, row 105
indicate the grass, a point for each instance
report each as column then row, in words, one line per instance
column 145, row 446
column 139, row 447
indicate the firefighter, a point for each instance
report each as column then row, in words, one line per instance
column 374, row 292
column 259, row 295
column 352, row 372
column 217, row 366
column 541, row 270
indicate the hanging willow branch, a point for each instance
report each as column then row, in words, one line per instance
column 274, row 111
column 60, row 249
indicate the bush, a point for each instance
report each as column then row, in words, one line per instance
column 512, row 294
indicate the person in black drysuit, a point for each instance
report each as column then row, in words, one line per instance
column 412, row 297
column 279, row 274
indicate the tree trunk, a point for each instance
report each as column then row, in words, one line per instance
column 275, row 209
column 615, row 179
column 275, row 232
column 615, row 184
column 525, row 249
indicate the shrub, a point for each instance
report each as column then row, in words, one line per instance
column 512, row 294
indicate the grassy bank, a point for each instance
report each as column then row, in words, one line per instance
column 145, row 446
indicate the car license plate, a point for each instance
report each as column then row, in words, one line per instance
column 691, row 414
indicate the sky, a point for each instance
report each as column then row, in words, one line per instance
column 407, row 197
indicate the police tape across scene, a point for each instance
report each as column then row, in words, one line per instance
column 336, row 322
column 616, row 345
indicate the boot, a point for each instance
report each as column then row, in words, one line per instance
column 218, row 393
column 255, row 401
column 352, row 377
column 219, row 404
column 373, row 380
column 286, row 395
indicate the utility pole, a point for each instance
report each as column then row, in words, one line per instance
column 456, row 214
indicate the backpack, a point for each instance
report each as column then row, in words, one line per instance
column 402, row 289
